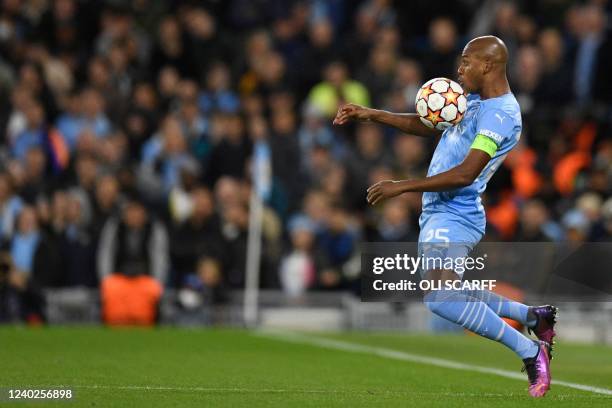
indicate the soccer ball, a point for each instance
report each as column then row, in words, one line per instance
column 440, row 103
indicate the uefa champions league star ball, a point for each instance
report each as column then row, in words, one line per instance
column 440, row 103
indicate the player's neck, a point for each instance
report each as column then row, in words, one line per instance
column 496, row 88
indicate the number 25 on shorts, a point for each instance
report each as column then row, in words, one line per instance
column 440, row 234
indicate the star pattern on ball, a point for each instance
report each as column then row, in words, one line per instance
column 451, row 97
column 425, row 92
column 433, row 117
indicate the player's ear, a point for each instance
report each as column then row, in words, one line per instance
column 486, row 66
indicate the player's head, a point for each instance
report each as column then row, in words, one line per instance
column 483, row 58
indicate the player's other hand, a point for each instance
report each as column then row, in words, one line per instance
column 351, row 111
column 383, row 190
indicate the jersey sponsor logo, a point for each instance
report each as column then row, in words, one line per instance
column 493, row 135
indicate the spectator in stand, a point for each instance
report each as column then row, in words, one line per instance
column 316, row 131
column 286, row 157
column 408, row 80
column 132, row 263
column 577, row 226
column 218, row 95
column 369, row 152
column 170, row 48
column 86, row 114
column 235, row 223
column 228, row 156
column 77, row 245
column 394, row 225
column 107, row 201
column 33, row 182
column 84, row 185
column 133, row 244
column 199, row 235
column 33, row 253
column 206, row 42
column 69, row 122
column 555, row 69
column 591, row 35
column 298, row 267
column 337, row 88
column 20, row 297
column 378, row 74
column 32, row 134
column 10, row 206
column 535, row 224
column 440, row 58
column 338, row 243
column 16, row 123
column 163, row 158
column 319, row 52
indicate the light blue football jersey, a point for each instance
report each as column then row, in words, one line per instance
column 498, row 119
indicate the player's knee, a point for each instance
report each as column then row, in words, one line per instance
column 437, row 299
column 432, row 301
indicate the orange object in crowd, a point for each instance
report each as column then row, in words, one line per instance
column 525, row 179
column 566, row 170
column 583, row 141
column 60, row 149
column 130, row 300
column 504, row 216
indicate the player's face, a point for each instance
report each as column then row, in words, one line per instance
column 469, row 72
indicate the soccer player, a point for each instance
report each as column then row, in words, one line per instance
column 465, row 158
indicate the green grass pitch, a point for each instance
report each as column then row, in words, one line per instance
column 232, row 368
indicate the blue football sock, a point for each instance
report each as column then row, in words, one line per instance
column 504, row 307
column 476, row 316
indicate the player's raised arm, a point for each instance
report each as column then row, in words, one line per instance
column 406, row 122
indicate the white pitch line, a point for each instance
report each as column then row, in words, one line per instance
column 414, row 358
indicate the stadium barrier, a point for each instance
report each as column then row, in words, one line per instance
column 589, row 322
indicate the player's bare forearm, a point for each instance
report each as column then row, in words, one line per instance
column 406, row 122
column 457, row 177
column 446, row 181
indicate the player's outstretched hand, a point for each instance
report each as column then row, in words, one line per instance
column 351, row 111
column 383, row 190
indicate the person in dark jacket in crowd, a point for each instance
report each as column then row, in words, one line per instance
column 132, row 266
column 200, row 234
column 133, row 244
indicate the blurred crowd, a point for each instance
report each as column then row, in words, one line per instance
column 128, row 129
